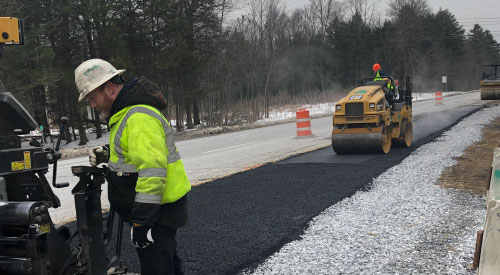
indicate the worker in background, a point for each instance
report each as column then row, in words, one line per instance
column 380, row 75
column 484, row 76
column 147, row 183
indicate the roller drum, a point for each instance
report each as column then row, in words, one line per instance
column 490, row 94
column 407, row 137
column 362, row 143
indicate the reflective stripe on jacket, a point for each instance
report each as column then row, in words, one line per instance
column 378, row 77
column 142, row 141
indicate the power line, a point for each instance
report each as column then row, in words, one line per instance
column 476, row 18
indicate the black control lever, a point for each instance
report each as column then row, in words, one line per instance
column 87, row 193
column 57, row 155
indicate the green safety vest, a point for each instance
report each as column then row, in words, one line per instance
column 142, row 141
column 377, row 77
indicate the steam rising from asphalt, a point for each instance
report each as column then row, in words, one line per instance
column 432, row 122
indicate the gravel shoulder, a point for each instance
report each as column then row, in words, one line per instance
column 471, row 172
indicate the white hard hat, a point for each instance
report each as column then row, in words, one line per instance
column 92, row 74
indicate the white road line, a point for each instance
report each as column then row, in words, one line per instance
column 228, row 147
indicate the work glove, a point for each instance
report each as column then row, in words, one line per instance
column 141, row 236
column 98, row 155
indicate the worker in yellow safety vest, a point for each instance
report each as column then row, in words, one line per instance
column 380, row 74
column 147, row 182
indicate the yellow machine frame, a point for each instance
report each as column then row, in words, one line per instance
column 11, row 31
column 372, row 127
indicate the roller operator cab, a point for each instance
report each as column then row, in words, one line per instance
column 373, row 117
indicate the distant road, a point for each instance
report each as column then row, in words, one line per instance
column 217, row 156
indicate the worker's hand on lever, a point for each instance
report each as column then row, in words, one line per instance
column 141, row 235
column 98, row 155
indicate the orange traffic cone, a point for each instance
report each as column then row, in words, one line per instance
column 439, row 98
column 303, row 124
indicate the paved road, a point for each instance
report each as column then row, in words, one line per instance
column 238, row 221
column 217, row 156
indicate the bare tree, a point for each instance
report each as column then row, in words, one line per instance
column 409, row 18
column 420, row 7
column 327, row 11
column 322, row 13
column 367, row 9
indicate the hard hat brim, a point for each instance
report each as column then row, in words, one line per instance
column 98, row 84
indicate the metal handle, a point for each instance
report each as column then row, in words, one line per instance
column 57, row 156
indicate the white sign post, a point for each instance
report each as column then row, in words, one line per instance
column 445, row 83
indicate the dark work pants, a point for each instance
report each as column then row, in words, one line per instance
column 160, row 257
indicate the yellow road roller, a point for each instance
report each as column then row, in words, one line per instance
column 373, row 117
column 490, row 82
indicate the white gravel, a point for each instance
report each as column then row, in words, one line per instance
column 405, row 224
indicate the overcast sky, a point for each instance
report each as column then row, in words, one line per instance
column 468, row 12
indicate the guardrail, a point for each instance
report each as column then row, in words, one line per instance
column 489, row 259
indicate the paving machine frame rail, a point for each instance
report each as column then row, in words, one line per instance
column 373, row 117
column 30, row 243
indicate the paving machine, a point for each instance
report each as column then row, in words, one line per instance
column 490, row 82
column 373, row 117
column 30, row 243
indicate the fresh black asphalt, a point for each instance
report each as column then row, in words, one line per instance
column 238, row 221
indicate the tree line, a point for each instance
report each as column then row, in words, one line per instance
column 217, row 66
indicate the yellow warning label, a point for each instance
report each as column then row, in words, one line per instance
column 17, row 165
column 27, row 160
column 45, row 228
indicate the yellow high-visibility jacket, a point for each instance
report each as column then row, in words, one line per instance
column 142, row 149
